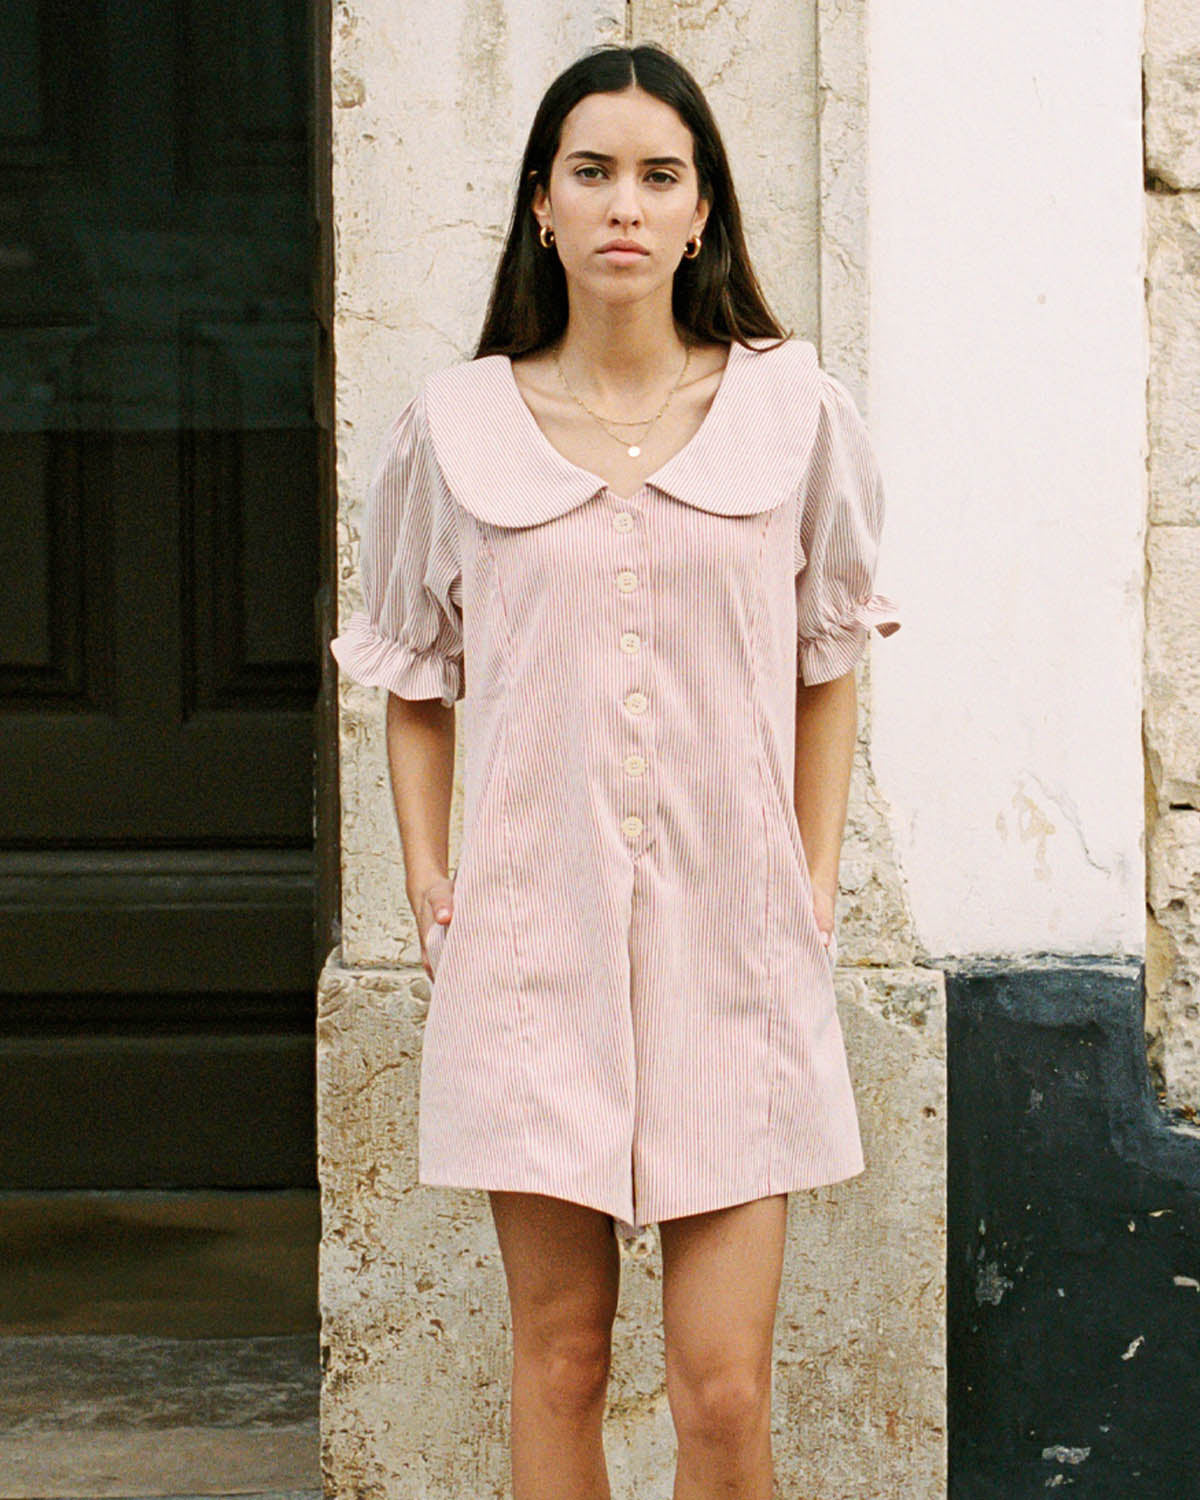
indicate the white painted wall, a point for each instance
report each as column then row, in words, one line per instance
column 1007, row 400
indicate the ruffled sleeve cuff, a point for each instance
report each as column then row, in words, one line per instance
column 838, row 648
column 377, row 661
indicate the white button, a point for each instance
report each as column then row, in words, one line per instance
column 631, row 826
column 636, row 702
column 622, row 521
column 635, row 765
column 631, row 642
column 627, row 581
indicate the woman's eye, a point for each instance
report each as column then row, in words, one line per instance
column 660, row 178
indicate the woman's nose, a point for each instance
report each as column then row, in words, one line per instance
column 625, row 205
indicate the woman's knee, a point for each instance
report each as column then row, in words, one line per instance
column 720, row 1407
column 563, row 1272
column 568, row 1365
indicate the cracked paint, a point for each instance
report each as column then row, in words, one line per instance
column 1033, row 827
column 1067, row 806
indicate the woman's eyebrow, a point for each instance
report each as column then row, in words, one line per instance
column 646, row 161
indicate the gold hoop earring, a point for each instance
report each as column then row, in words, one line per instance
column 546, row 235
column 688, row 252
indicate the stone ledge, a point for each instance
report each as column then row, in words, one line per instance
column 168, row 1461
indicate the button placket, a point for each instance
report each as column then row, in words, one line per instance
column 629, row 582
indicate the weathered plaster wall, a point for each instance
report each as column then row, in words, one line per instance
column 768, row 118
column 1007, row 393
column 430, row 114
column 1172, row 73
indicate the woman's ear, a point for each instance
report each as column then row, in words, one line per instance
column 540, row 203
column 700, row 219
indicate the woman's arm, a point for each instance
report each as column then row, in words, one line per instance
column 420, row 751
column 826, row 729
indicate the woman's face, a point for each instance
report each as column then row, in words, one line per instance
column 623, row 172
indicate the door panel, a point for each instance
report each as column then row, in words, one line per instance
column 159, row 464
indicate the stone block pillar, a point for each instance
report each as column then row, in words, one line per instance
column 1172, row 89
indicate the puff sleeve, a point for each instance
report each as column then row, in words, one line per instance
column 838, row 529
column 408, row 636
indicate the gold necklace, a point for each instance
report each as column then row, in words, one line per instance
column 633, row 449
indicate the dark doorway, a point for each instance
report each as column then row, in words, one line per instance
column 158, row 666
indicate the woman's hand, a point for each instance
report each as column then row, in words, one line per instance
column 826, row 724
column 420, row 750
column 434, row 904
column 824, row 905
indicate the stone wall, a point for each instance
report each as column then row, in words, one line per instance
column 1172, row 720
column 415, row 1325
column 430, row 110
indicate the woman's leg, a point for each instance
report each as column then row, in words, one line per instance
column 721, row 1274
column 563, row 1269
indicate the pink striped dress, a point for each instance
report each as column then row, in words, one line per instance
column 631, row 1007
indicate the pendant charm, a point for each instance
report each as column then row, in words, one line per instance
column 635, row 451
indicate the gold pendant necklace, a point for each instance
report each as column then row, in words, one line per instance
column 633, row 449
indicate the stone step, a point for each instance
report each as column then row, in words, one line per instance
column 124, row 1416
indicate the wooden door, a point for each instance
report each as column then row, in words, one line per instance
column 159, row 560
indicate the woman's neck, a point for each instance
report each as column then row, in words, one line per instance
column 621, row 349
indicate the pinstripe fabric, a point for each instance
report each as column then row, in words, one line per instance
column 631, row 1006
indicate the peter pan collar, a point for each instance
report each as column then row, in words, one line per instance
column 748, row 455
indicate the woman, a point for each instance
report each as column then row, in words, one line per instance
column 640, row 526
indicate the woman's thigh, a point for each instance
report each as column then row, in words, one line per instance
column 563, row 1269
column 721, row 1277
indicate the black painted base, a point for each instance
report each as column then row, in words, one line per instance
column 1074, row 1243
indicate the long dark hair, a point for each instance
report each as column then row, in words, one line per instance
column 716, row 295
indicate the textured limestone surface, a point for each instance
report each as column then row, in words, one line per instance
column 874, row 921
column 1173, row 388
column 768, row 120
column 1172, row 682
column 413, row 1298
column 1172, row 737
column 1171, row 70
column 842, row 172
column 1175, row 904
column 1173, row 664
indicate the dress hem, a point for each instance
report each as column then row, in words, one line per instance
column 511, row 1185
